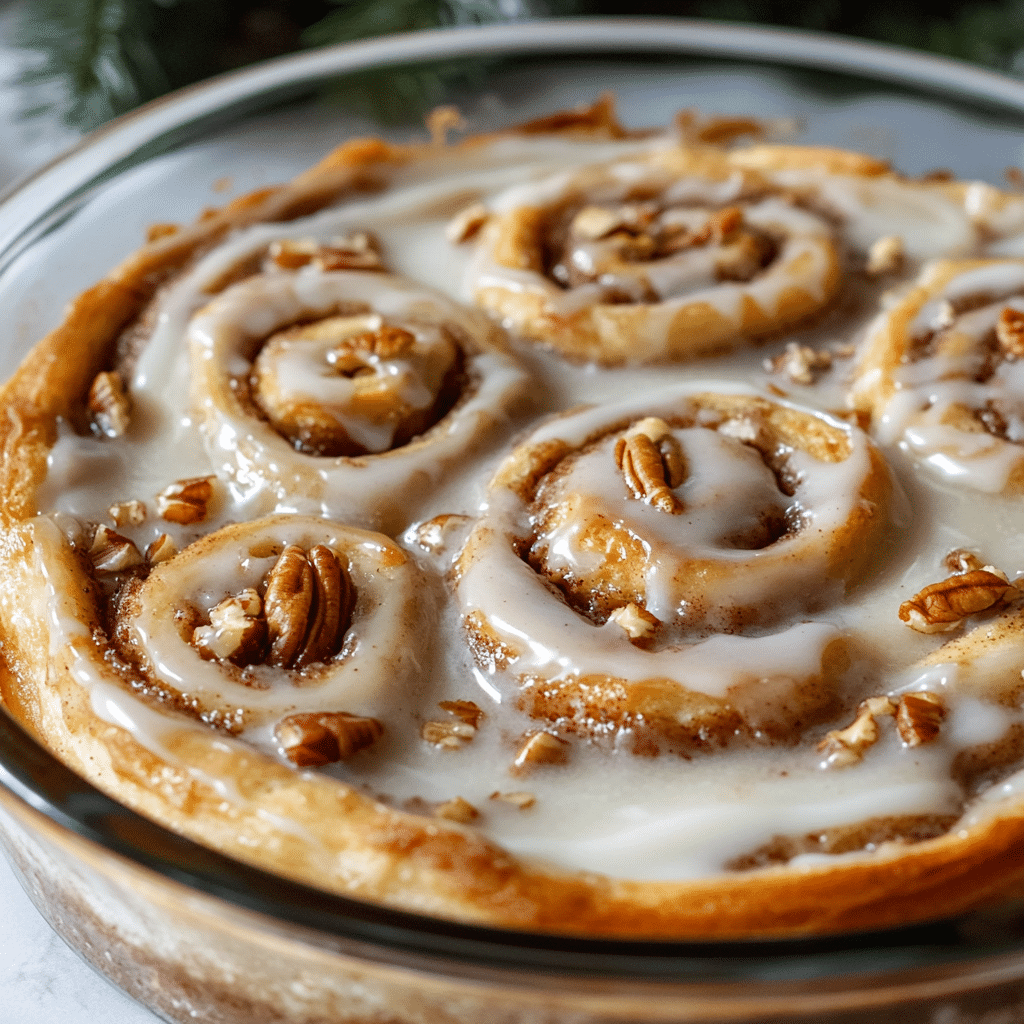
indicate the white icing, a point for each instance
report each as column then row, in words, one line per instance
column 607, row 810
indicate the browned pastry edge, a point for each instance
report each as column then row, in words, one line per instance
column 405, row 861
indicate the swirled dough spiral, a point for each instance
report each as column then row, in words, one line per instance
column 661, row 258
column 942, row 373
column 605, row 610
column 351, row 389
column 369, row 662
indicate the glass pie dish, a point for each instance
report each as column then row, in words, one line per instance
column 196, row 935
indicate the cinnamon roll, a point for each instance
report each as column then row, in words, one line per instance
column 673, row 255
column 351, row 389
column 646, row 565
column 941, row 374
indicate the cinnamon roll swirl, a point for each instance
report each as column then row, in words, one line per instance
column 646, row 565
column 352, row 389
column 669, row 256
column 942, row 374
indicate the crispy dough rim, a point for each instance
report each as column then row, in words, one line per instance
column 359, row 847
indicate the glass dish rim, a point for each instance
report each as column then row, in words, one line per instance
column 36, row 778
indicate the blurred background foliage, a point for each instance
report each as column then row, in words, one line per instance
column 89, row 60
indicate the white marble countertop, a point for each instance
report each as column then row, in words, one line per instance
column 41, row 980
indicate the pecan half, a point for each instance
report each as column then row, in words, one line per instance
column 919, row 717
column 652, row 463
column 185, row 501
column 940, row 607
column 844, row 747
column 314, row 739
column 1010, row 332
column 108, row 404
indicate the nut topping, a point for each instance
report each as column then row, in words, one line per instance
column 467, row 223
column 109, row 405
column 540, row 748
column 885, row 256
column 161, row 550
column 940, row 607
column 110, row 552
column 128, row 513
column 308, row 606
column 919, row 717
column 457, row 809
column 844, row 747
column 652, row 463
column 185, row 501
column 448, row 735
column 961, row 560
column 638, row 623
column 358, row 251
column 467, row 710
column 315, row 739
column 524, row 801
column 595, row 222
column 800, row 363
column 1010, row 332
column 385, row 342
column 236, row 632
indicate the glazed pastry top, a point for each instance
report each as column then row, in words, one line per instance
column 701, row 647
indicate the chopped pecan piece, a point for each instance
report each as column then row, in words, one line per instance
column 843, row 747
column 110, row 552
column 940, row 607
column 540, row 748
column 800, row 363
column 448, row 735
column 652, row 463
column 919, row 717
column 318, row 738
column 467, row 223
column 185, row 501
column 638, row 623
column 358, row 251
column 108, row 404
column 1010, row 332
column 467, row 710
column 885, row 256
column 595, row 222
column 161, row 550
column 236, row 632
column 128, row 513
column 524, row 801
column 961, row 560
column 457, row 809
